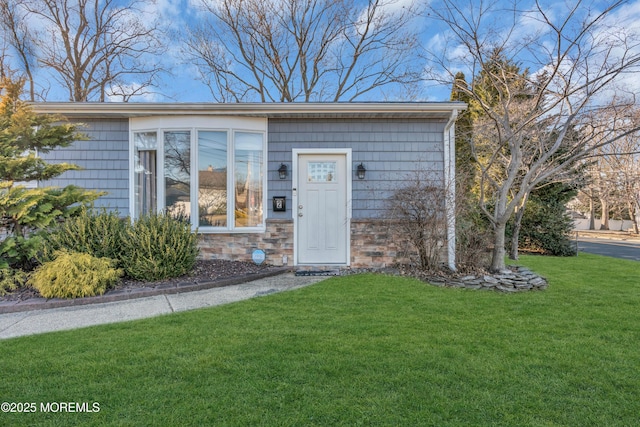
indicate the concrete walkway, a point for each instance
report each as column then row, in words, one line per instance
column 65, row 318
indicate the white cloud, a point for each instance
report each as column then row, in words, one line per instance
column 146, row 95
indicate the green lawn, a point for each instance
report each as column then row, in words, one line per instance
column 357, row 350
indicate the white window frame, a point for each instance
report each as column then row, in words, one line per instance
column 194, row 124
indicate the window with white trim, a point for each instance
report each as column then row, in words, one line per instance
column 216, row 177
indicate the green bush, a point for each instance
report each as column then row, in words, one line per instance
column 546, row 227
column 153, row 248
column 73, row 275
column 97, row 233
column 11, row 279
column 157, row 247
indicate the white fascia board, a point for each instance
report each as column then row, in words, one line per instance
column 127, row 109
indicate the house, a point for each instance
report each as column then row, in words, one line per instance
column 307, row 183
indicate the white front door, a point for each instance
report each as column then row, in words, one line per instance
column 322, row 226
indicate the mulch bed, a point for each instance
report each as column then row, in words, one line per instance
column 204, row 271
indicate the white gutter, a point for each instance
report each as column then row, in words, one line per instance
column 450, row 187
column 130, row 109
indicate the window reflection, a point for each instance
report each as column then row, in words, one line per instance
column 177, row 166
column 212, row 178
column 230, row 173
column 145, row 170
column 248, row 154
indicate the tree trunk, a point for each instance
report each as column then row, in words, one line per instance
column 633, row 216
column 605, row 214
column 497, row 260
column 32, row 91
column 515, row 238
column 592, row 214
column 517, row 226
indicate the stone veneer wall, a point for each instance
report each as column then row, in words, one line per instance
column 276, row 242
column 373, row 245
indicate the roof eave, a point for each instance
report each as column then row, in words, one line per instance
column 126, row 110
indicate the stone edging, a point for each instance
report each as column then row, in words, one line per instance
column 126, row 294
column 514, row 279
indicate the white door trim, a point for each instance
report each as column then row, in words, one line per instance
column 296, row 152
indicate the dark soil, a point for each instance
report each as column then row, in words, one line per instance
column 204, row 271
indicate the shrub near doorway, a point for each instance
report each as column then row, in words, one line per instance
column 154, row 247
column 157, row 247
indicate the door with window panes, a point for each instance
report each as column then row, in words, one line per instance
column 321, row 221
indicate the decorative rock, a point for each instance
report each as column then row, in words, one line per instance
column 516, row 280
column 506, row 288
column 489, row 279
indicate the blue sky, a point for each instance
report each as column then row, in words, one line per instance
column 183, row 84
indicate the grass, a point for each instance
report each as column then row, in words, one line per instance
column 357, row 350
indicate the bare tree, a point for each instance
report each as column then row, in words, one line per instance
column 95, row 48
column 304, row 50
column 628, row 179
column 416, row 214
column 614, row 179
column 15, row 30
column 578, row 54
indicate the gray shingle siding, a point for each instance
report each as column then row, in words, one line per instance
column 390, row 150
column 104, row 162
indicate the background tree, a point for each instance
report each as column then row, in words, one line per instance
column 94, row 49
column 579, row 54
column 613, row 182
column 465, row 169
column 23, row 210
column 545, row 225
column 16, row 35
column 304, row 50
column 626, row 163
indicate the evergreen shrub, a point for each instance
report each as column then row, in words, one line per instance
column 546, row 226
column 74, row 275
column 94, row 232
column 157, row 247
column 11, row 279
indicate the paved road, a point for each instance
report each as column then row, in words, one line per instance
column 626, row 249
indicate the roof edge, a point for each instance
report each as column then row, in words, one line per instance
column 290, row 109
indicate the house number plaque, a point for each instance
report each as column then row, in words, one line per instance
column 279, row 204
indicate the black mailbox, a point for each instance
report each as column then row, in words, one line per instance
column 279, row 204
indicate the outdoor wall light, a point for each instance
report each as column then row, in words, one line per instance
column 360, row 171
column 282, row 171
